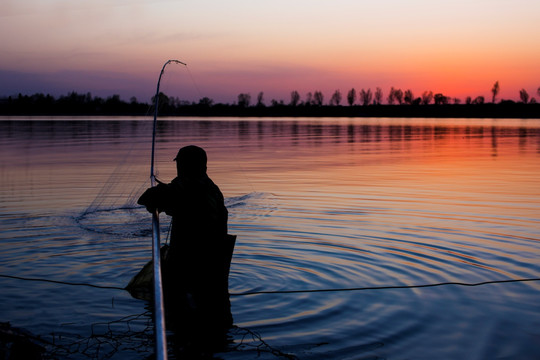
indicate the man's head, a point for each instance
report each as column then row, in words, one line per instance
column 191, row 161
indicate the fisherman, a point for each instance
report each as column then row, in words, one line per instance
column 196, row 267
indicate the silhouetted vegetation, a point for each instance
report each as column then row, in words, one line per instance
column 71, row 104
column 364, row 103
column 495, row 91
column 295, row 98
column 351, row 97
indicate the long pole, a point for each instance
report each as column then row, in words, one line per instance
column 159, row 313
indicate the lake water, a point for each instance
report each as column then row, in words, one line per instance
column 317, row 204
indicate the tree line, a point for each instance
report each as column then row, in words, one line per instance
column 364, row 102
column 369, row 97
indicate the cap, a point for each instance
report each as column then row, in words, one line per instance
column 191, row 159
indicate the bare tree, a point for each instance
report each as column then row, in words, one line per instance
column 295, row 98
column 495, row 91
column 260, row 99
column 524, row 96
column 309, row 98
column 366, row 96
column 351, row 97
column 318, row 98
column 163, row 100
column 378, row 96
column 206, row 102
column 427, row 97
column 244, row 100
column 391, row 96
column 398, row 94
column 408, row 97
column 336, row 98
column 174, row 101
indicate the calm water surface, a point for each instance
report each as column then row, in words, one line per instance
column 316, row 204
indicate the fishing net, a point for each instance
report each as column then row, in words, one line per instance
column 114, row 210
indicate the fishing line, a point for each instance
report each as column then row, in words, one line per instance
column 194, row 82
column 270, row 292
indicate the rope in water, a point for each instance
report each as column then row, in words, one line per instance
column 247, row 293
column 62, row 282
column 382, row 287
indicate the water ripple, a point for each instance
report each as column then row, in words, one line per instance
column 369, row 208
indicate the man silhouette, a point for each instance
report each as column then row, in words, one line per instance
column 196, row 267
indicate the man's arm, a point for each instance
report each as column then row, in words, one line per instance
column 157, row 197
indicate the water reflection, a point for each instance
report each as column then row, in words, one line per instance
column 294, row 133
column 328, row 203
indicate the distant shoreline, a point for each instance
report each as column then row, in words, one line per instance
column 81, row 105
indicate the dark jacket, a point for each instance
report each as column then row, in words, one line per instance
column 199, row 228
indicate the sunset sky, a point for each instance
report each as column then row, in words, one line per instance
column 459, row 48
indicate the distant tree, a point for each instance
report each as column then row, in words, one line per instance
column 365, row 96
column 524, row 96
column 309, row 98
column 163, row 99
column 398, row 95
column 427, row 97
column 244, row 100
column 132, row 100
column 174, row 101
column 495, row 91
column 456, row 101
column 260, row 99
column 318, row 98
column 538, row 91
column 391, row 96
column 206, row 102
column 295, row 98
column 440, row 99
column 378, row 96
column 468, row 100
column 115, row 105
column 479, row 100
column 336, row 98
column 351, row 97
column 408, row 97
